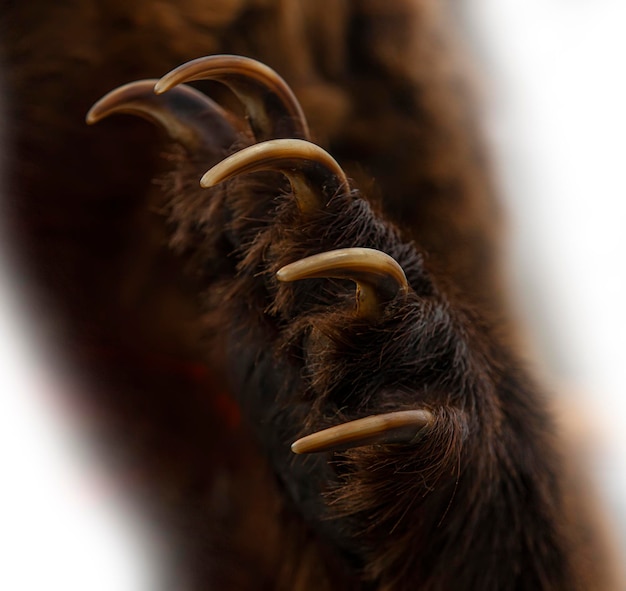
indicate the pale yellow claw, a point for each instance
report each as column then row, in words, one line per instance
column 272, row 108
column 378, row 276
column 394, row 427
column 187, row 116
column 308, row 167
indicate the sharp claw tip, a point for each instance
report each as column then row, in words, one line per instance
column 206, row 182
column 91, row 117
column 160, row 87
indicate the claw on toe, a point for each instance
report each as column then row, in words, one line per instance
column 394, row 427
column 309, row 169
column 378, row 277
column 272, row 108
column 186, row 115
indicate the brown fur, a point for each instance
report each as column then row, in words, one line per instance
column 477, row 503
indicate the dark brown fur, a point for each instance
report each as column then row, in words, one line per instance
column 482, row 500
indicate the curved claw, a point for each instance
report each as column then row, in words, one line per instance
column 186, row 115
column 309, row 168
column 394, row 427
column 378, row 276
column 272, row 108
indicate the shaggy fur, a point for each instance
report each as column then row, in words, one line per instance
column 203, row 369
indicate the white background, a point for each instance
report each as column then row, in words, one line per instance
column 556, row 118
column 557, row 121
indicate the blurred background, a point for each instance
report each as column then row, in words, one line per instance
column 555, row 90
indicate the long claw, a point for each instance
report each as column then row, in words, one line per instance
column 378, row 276
column 186, row 115
column 394, row 427
column 309, row 168
column 272, row 108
